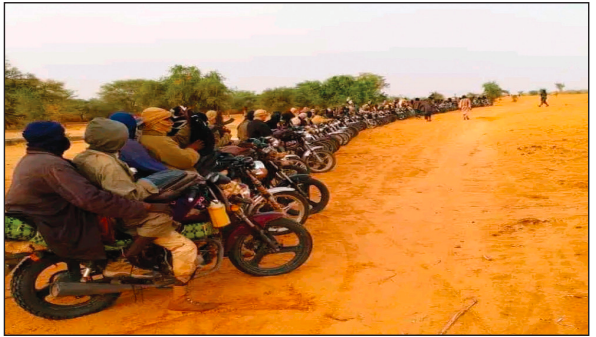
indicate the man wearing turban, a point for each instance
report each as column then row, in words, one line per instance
column 133, row 153
column 100, row 164
column 257, row 127
column 174, row 152
column 60, row 201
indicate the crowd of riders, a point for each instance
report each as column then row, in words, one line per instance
column 62, row 197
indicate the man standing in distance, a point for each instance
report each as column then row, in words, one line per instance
column 465, row 105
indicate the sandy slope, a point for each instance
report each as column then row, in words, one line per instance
column 423, row 217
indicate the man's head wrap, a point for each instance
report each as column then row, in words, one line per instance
column 128, row 120
column 157, row 119
column 46, row 135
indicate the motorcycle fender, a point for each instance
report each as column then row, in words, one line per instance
column 291, row 156
column 260, row 219
column 243, row 229
column 297, row 178
column 308, row 152
column 9, row 267
column 263, row 218
column 278, row 189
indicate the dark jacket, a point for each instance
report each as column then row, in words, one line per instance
column 201, row 131
column 64, row 205
column 257, row 128
column 274, row 121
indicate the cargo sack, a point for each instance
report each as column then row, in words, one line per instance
column 18, row 230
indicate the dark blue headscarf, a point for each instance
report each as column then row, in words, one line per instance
column 128, row 120
column 133, row 153
column 46, row 135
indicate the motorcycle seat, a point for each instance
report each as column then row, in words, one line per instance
column 235, row 150
column 170, row 190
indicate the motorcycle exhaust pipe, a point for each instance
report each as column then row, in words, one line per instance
column 61, row 289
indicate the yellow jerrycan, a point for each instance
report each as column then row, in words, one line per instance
column 218, row 214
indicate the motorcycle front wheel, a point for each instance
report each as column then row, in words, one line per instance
column 295, row 206
column 254, row 257
column 321, row 161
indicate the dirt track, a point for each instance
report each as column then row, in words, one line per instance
column 423, row 217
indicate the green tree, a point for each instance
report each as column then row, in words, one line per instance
column 335, row 91
column 560, row 86
column 12, row 83
column 30, row 104
column 241, row 99
column 436, row 96
column 182, row 86
column 492, row 90
column 123, row 94
column 379, row 83
column 86, row 110
column 152, row 94
column 277, row 99
column 188, row 87
column 520, row 93
column 533, row 92
column 214, row 95
column 369, row 87
column 308, row 93
column 99, row 108
column 28, row 98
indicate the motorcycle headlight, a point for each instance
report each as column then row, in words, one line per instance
column 275, row 143
column 259, row 171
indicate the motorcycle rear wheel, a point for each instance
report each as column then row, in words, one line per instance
column 33, row 300
column 252, row 243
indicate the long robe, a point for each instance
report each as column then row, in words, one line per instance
column 64, row 205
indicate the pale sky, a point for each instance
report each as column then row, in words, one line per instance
column 418, row 48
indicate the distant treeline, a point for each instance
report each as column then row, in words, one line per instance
column 27, row 98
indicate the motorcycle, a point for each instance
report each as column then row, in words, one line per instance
column 280, row 198
column 316, row 158
column 55, row 287
column 273, row 175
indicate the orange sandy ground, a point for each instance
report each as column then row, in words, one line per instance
column 423, row 218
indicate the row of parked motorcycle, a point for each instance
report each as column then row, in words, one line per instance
column 251, row 207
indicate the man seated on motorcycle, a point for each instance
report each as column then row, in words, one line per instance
column 243, row 126
column 222, row 134
column 319, row 118
column 174, row 152
column 100, row 164
column 133, row 153
column 257, row 128
column 62, row 203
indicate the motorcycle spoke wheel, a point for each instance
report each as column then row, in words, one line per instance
column 326, row 164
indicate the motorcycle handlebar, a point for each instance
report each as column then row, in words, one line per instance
column 192, row 195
